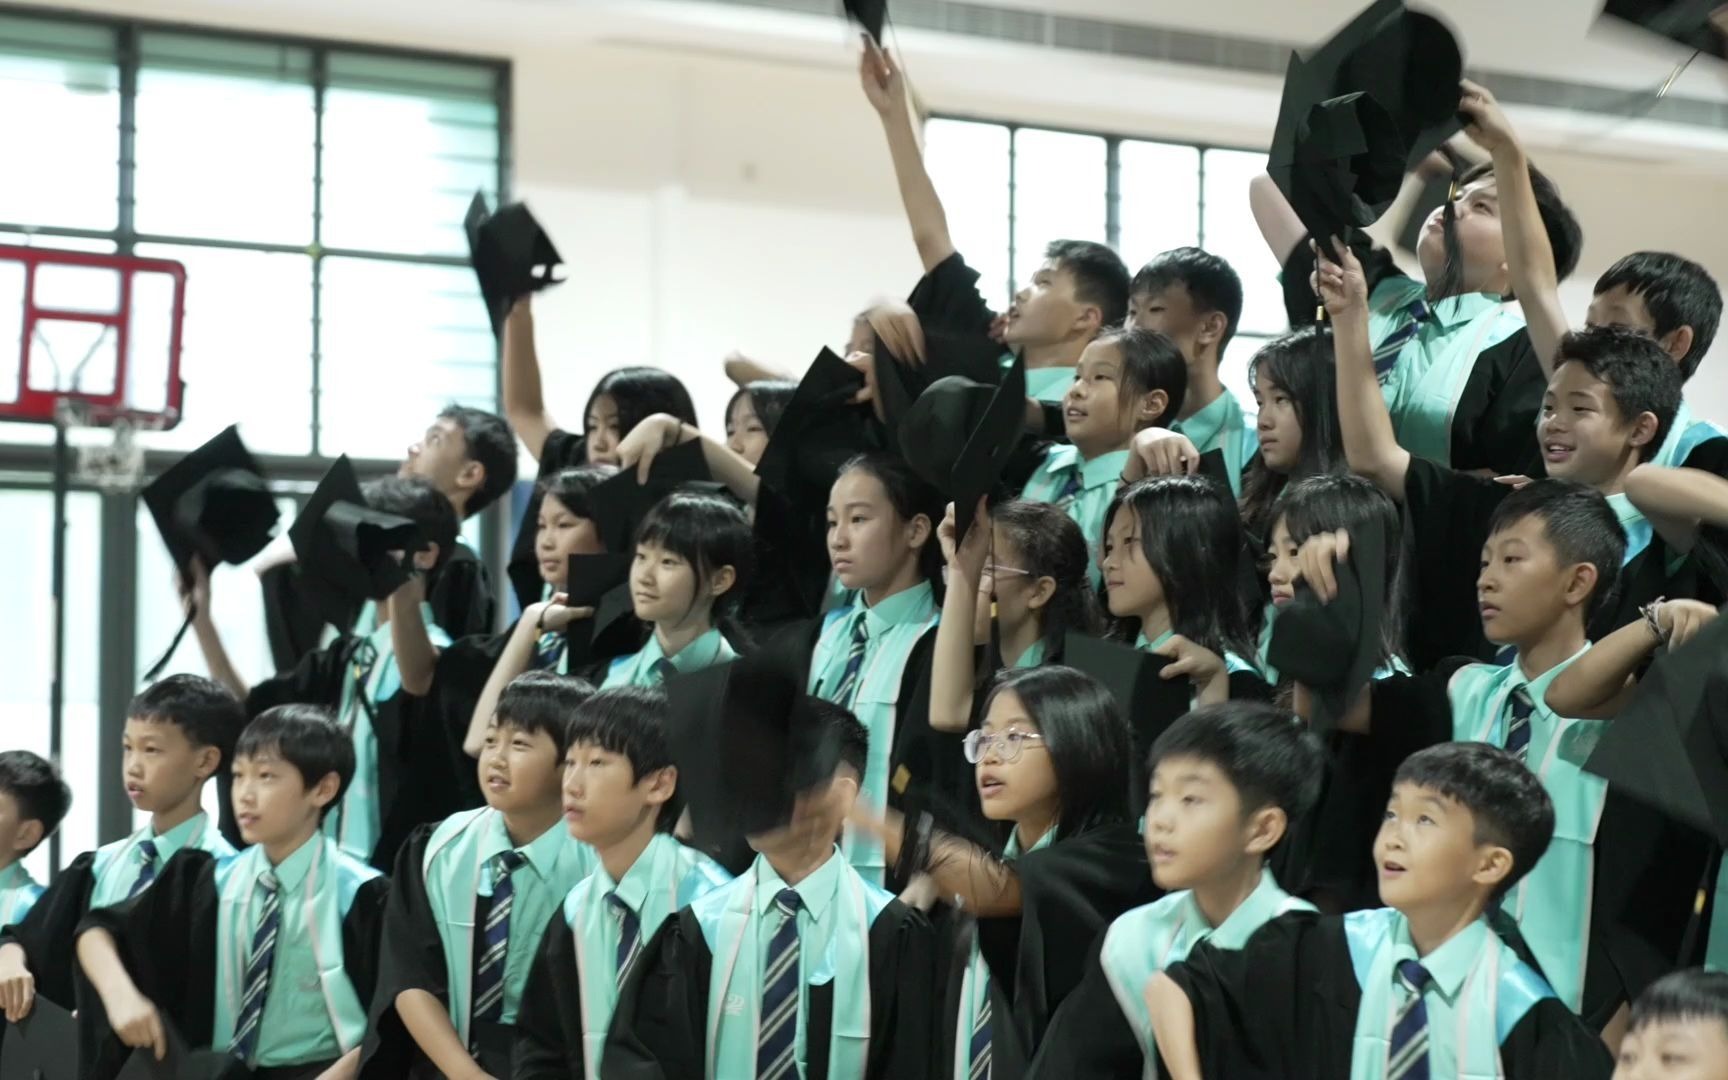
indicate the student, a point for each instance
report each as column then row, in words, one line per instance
column 1228, row 782
column 751, row 417
column 472, row 894
column 621, row 799
column 1194, row 298
column 1173, row 584
column 799, row 967
column 33, row 802
column 405, row 768
column 1679, row 1030
column 1427, row 977
column 753, row 414
column 178, row 732
column 270, row 954
column 1016, row 589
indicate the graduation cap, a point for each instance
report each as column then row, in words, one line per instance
column 947, row 353
column 1333, row 648
column 1149, row 702
column 42, row 1046
column 818, row 431
column 346, row 548
column 620, row 503
column 511, row 254
column 1688, row 22
column 1669, row 745
column 959, row 435
column 868, row 14
column 602, row 583
column 181, row 1063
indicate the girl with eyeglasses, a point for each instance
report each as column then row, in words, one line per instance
column 1052, row 766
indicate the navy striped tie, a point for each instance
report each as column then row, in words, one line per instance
column 146, row 850
column 629, row 934
column 1518, row 723
column 1386, row 353
column 245, row 1042
column 848, row 688
column 980, row 1049
column 489, row 972
column 1407, row 1059
column 664, row 670
column 1070, row 489
column 776, row 1035
column 549, row 651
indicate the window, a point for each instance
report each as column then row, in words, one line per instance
column 1009, row 190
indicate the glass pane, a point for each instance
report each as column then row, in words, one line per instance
column 1229, row 232
column 1233, row 370
column 384, row 377
column 1059, row 192
column 968, row 163
column 246, row 348
column 11, row 324
column 59, row 104
column 1159, row 207
column 26, row 644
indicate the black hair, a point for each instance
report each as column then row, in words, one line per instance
column 1299, row 365
column 1641, row 377
column 204, row 709
column 35, row 785
column 631, row 721
column 1580, row 525
column 910, row 496
column 768, row 398
column 1679, row 996
column 640, row 392
column 1678, row 293
column 708, row 532
column 1211, row 282
column 1150, row 361
column 571, row 487
column 1090, row 747
column 1192, row 539
column 1325, row 503
column 306, row 737
column 1565, row 235
column 1267, row 753
column 414, row 498
column 1050, row 544
column 490, row 442
column 1510, row 807
column 1100, row 276
column 852, row 735
column 542, row 701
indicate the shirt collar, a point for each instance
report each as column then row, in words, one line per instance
column 1105, row 468
column 1448, row 965
column 816, row 891
column 542, row 852
column 1147, row 646
column 909, row 605
column 1032, row 657
column 176, row 838
column 1457, row 310
column 633, row 890
column 1203, row 427
column 290, row 872
column 1255, row 907
column 696, row 656
column 1539, row 685
column 15, row 875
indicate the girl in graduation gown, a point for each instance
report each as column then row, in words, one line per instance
column 1053, row 764
column 1174, row 581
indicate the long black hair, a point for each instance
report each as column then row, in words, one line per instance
column 1299, row 365
column 640, row 392
column 1192, row 539
column 1052, row 546
column 708, row 532
column 571, row 487
column 1091, row 750
column 910, row 497
column 768, row 398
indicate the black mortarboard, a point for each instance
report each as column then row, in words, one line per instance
column 620, row 503
column 818, row 431
column 345, row 546
column 947, row 353
column 43, row 1046
column 869, row 14
column 1669, row 745
column 1407, row 61
column 1149, row 702
column 959, row 435
column 511, row 254
column 1333, row 648
column 602, row 583
column 181, row 1063
column 1685, row 21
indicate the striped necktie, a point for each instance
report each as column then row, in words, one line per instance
column 489, row 972
column 549, row 651
column 1070, row 489
column 629, row 933
column 979, row 1055
column 1520, row 706
column 848, row 688
column 1386, row 353
column 146, row 850
column 776, row 1034
column 245, row 1042
column 664, row 669
column 1407, row 1058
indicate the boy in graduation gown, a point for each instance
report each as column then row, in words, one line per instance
column 1422, row 987
column 472, row 895
column 33, row 800
column 1227, row 783
column 178, row 732
column 798, row 968
column 270, row 954
column 621, row 798
column 1679, row 1029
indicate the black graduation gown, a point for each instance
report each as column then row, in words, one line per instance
column 660, row 1030
column 1088, row 1037
column 549, row 1018
column 166, row 936
column 1285, row 1006
column 47, row 932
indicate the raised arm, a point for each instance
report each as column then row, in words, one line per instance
column 662, row 432
column 1370, row 445
column 197, row 595
column 416, row 655
column 963, row 872
column 1597, row 685
column 523, row 405
column 886, row 92
column 1677, row 501
column 953, row 671
column 511, row 662
column 1279, row 225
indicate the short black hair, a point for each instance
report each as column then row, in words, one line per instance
column 768, row 400
column 1100, row 276
column 708, row 532
column 1267, row 753
column 492, row 443
column 1579, row 523
column 204, row 709
column 1565, row 235
column 853, row 736
column 1678, row 293
column 1693, row 994
column 629, row 720
column 573, row 486
column 414, row 498
column 1211, row 282
column 1641, row 377
column 1150, row 361
column 536, row 701
column 306, row 737
column 35, row 785
column 1511, row 808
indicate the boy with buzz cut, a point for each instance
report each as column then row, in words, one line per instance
column 1228, row 783
column 271, row 954
column 1679, row 1029
column 471, row 897
column 621, row 799
column 1424, row 987
column 178, row 734
column 33, row 802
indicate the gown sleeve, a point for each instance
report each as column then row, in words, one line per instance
column 902, row 996
column 549, row 1019
column 410, row 957
column 1088, row 1037
column 292, row 624
column 315, row 680
column 1552, row 1041
column 461, row 596
column 1495, row 424
column 660, row 1028
column 362, row 932
column 46, row 934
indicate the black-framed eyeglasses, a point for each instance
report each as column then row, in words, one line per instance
column 1008, row 744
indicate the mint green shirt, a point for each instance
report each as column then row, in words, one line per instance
column 1449, row 965
column 18, row 893
column 1048, row 385
column 1222, row 426
column 637, row 669
column 1099, row 478
column 538, row 889
column 291, row 1033
column 118, row 864
column 817, row 917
